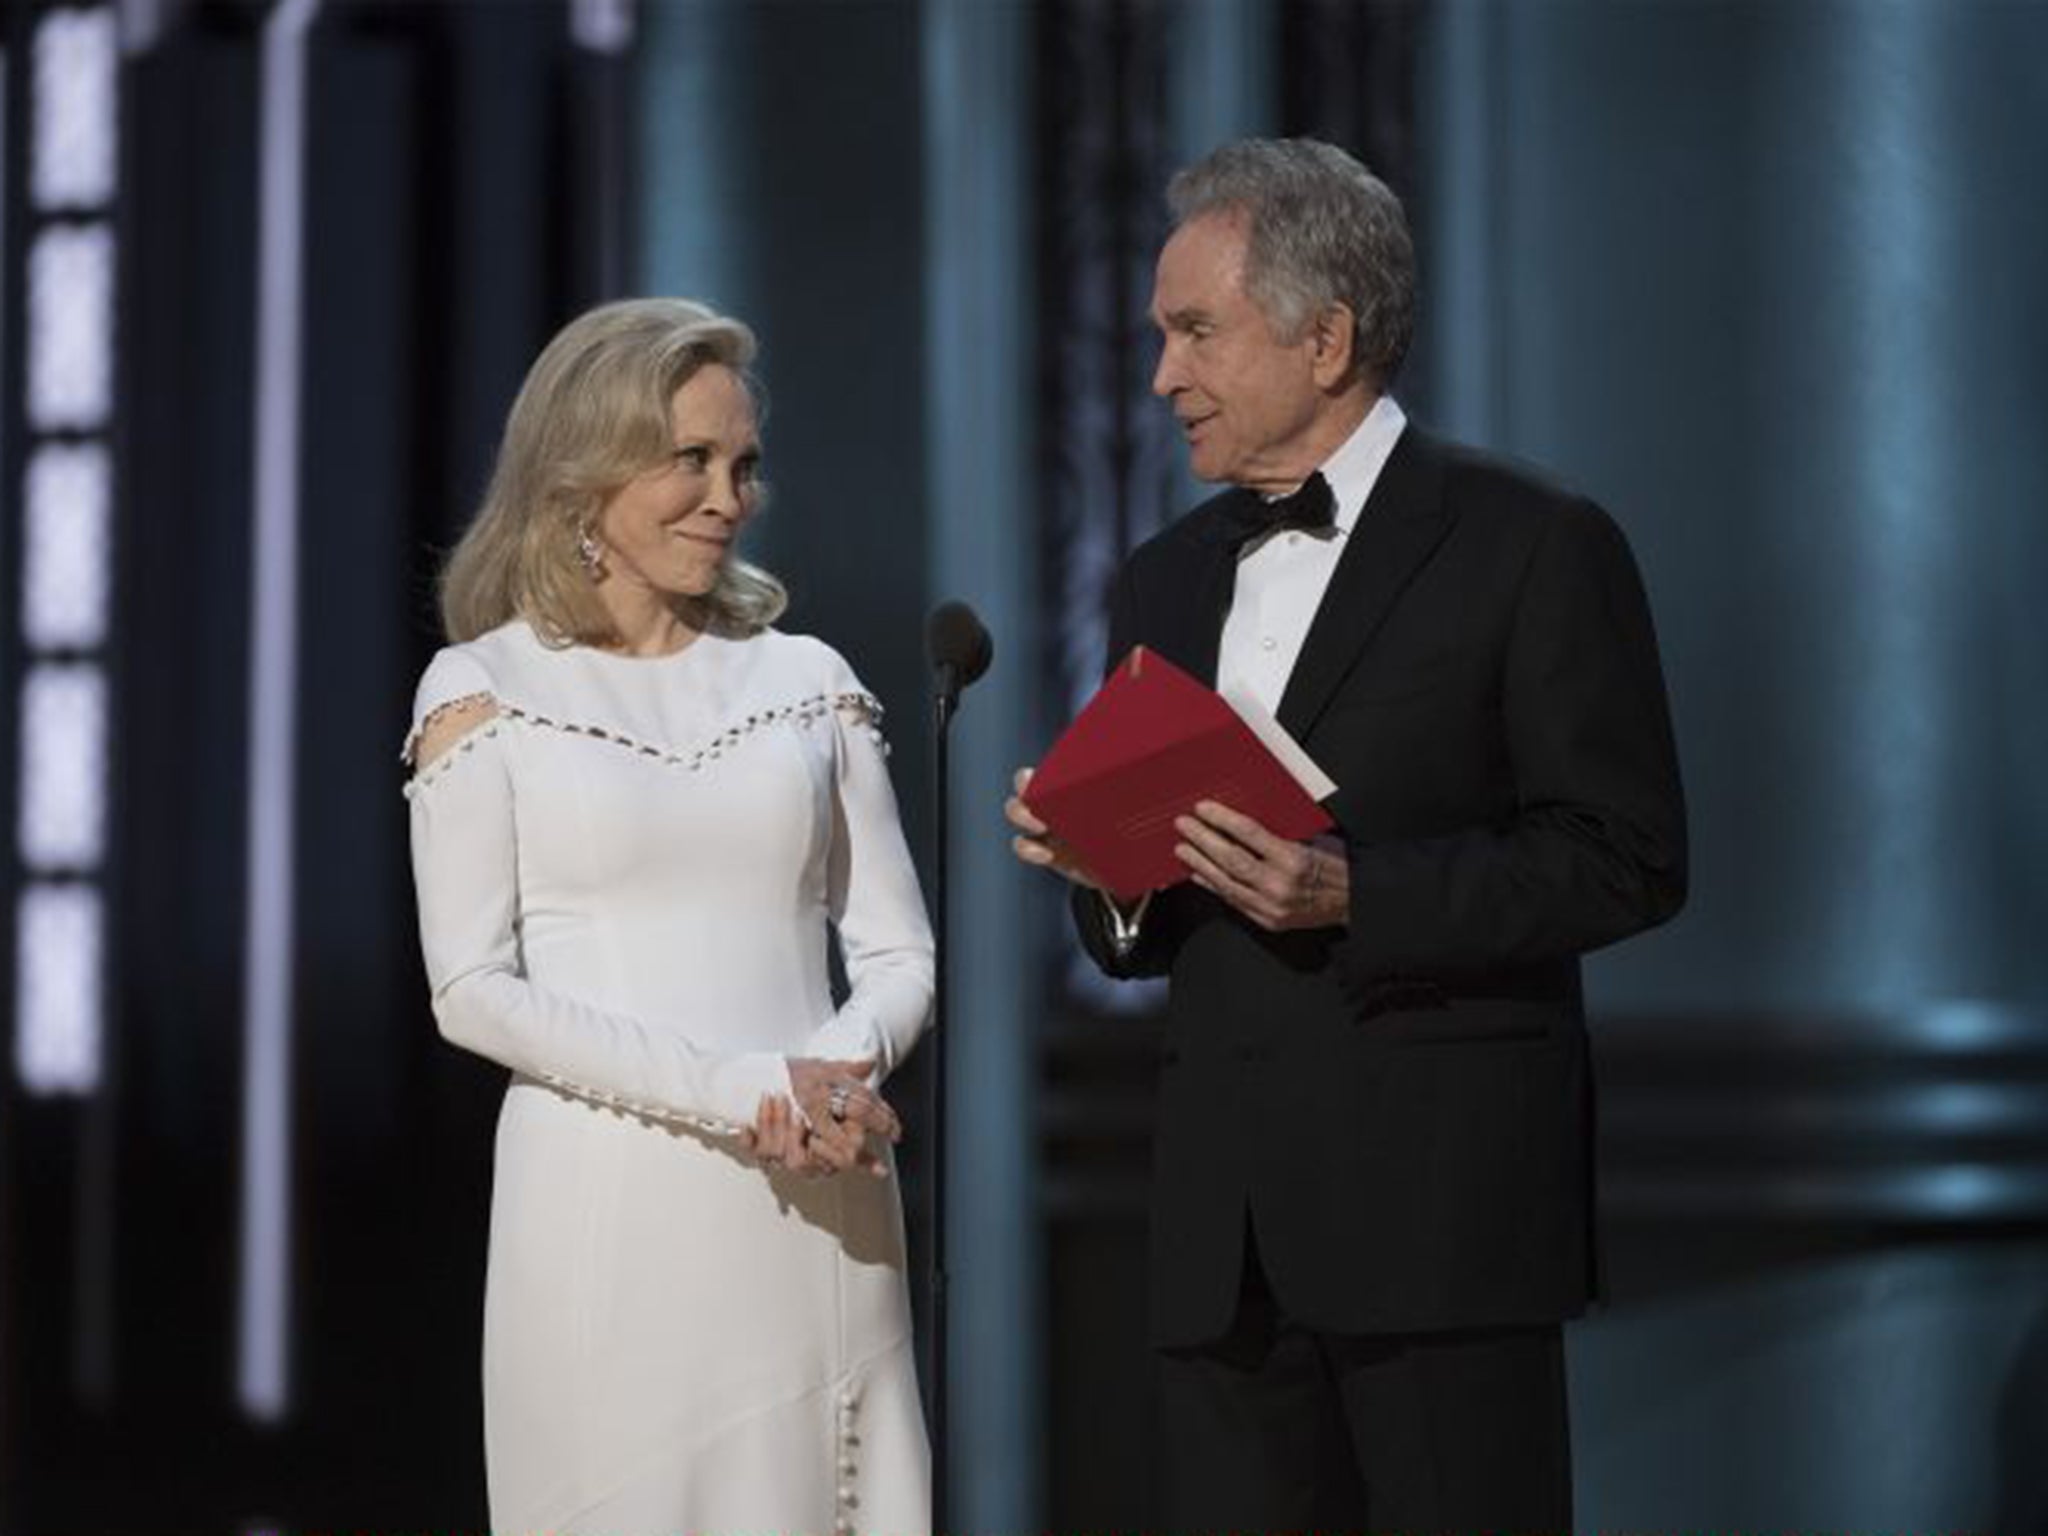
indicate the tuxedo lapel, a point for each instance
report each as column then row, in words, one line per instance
column 1403, row 520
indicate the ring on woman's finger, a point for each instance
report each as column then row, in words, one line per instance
column 836, row 1101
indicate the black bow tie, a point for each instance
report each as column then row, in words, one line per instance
column 1309, row 508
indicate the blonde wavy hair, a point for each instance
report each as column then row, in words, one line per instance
column 593, row 414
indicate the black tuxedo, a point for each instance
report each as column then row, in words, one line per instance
column 1401, row 1108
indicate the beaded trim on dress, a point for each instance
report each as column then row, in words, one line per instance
column 708, row 1124
column 861, row 708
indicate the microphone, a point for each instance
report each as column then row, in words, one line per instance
column 960, row 650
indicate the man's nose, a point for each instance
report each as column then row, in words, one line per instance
column 1166, row 377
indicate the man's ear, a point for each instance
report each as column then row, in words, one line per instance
column 1335, row 337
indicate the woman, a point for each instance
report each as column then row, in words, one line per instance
column 635, row 808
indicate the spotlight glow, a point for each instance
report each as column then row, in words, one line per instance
column 57, row 1005
column 71, row 328
column 76, row 126
column 67, row 554
column 63, row 767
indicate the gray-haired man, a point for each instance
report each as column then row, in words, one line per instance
column 1372, row 1189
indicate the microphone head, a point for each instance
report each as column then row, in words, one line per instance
column 958, row 642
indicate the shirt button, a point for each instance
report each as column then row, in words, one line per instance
column 1269, row 643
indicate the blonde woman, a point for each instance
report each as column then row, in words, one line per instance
column 636, row 808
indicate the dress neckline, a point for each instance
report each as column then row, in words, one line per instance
column 675, row 658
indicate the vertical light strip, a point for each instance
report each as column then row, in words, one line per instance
column 1221, row 76
column 1465, row 193
column 6, row 1342
column 1222, row 84
column 687, row 104
column 65, row 530
column 1904, row 542
column 601, row 123
column 978, row 431
column 263, row 1371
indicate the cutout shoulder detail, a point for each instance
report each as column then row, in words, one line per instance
column 865, row 711
column 446, row 725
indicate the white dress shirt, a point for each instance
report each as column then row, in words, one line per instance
column 1281, row 578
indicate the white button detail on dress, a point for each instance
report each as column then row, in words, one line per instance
column 849, row 1464
column 1268, row 643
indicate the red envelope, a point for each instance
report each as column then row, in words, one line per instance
column 1150, row 744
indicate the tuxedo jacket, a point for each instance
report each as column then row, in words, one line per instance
column 1401, row 1108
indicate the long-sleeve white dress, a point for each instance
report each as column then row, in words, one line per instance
column 625, row 878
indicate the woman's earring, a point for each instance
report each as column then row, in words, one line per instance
column 590, row 553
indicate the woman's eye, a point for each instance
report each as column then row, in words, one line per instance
column 694, row 459
column 747, row 471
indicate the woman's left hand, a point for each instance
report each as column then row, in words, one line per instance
column 779, row 1138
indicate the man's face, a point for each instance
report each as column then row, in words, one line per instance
column 1245, row 400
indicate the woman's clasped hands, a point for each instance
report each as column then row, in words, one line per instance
column 831, row 1125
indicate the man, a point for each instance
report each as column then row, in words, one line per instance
column 1372, row 1186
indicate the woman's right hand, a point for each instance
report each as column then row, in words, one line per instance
column 818, row 1140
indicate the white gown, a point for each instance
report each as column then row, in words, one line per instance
column 624, row 883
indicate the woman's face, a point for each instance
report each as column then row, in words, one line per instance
column 669, row 529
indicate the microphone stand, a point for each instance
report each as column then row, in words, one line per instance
column 944, row 702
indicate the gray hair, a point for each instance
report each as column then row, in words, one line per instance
column 592, row 414
column 1322, row 230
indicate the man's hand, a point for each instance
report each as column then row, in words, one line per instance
column 1035, row 844
column 1276, row 883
